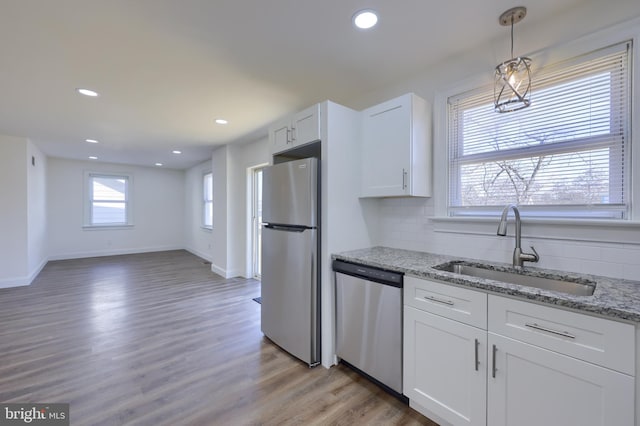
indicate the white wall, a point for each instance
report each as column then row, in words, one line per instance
column 36, row 165
column 23, row 216
column 198, row 240
column 346, row 223
column 13, row 214
column 590, row 16
column 220, row 202
column 158, row 211
column 407, row 223
column 230, row 233
column 247, row 156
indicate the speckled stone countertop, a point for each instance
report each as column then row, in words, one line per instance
column 614, row 298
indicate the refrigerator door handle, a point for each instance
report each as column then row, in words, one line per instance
column 286, row 228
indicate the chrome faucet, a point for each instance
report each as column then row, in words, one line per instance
column 518, row 256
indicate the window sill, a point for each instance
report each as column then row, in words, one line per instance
column 589, row 230
column 106, row 227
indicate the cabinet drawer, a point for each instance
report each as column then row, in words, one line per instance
column 460, row 304
column 600, row 341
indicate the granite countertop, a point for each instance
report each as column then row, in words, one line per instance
column 614, row 298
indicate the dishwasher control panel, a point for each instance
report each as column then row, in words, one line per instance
column 370, row 273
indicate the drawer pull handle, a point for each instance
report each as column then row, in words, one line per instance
column 493, row 362
column 435, row 299
column 548, row 330
column 477, row 359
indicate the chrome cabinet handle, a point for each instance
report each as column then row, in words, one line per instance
column 404, row 179
column 289, row 140
column 477, row 360
column 493, row 362
column 548, row 330
column 293, row 134
column 435, row 299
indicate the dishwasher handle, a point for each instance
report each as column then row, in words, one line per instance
column 380, row 276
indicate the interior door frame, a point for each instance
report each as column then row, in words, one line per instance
column 253, row 225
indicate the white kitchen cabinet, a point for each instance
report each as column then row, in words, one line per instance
column 396, row 148
column 555, row 367
column 445, row 367
column 536, row 365
column 445, row 357
column 296, row 130
column 534, row 386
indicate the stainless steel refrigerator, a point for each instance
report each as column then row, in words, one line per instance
column 290, row 258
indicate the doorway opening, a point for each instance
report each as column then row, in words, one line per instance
column 256, row 221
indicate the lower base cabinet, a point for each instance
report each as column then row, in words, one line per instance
column 534, row 386
column 459, row 374
column 445, row 367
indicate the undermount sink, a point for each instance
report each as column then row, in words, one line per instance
column 575, row 287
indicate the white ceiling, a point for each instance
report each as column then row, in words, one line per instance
column 165, row 69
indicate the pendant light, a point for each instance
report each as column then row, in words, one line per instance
column 512, row 89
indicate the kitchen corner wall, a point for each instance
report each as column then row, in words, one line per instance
column 23, row 223
column 230, row 236
column 406, row 223
column 198, row 240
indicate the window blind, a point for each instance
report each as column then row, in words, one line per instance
column 108, row 199
column 207, row 200
column 564, row 156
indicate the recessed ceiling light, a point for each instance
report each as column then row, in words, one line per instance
column 175, row 151
column 221, row 121
column 91, row 140
column 159, row 164
column 365, row 19
column 87, row 92
column 93, row 158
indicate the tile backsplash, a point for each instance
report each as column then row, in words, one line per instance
column 405, row 223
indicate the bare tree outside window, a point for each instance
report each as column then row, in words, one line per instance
column 566, row 153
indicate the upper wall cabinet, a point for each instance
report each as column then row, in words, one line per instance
column 396, row 151
column 296, row 130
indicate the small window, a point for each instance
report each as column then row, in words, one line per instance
column 207, row 201
column 108, row 200
column 567, row 155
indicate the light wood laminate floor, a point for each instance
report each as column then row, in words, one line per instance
column 158, row 339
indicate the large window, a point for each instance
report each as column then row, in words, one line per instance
column 108, row 200
column 567, row 155
column 207, row 200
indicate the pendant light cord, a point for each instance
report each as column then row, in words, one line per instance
column 512, row 18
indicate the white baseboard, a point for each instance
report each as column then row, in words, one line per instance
column 14, row 282
column 218, row 270
column 38, row 269
column 23, row 281
column 101, row 253
column 224, row 273
column 203, row 255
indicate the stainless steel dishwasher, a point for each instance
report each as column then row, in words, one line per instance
column 369, row 321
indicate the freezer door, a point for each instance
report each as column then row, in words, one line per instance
column 289, row 193
column 290, row 292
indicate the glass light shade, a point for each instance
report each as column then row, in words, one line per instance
column 512, row 89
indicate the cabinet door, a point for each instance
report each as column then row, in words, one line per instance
column 280, row 136
column 445, row 368
column 534, row 386
column 386, row 152
column 305, row 125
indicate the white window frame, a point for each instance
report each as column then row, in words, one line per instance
column 617, row 209
column 207, row 199
column 592, row 230
column 88, row 191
